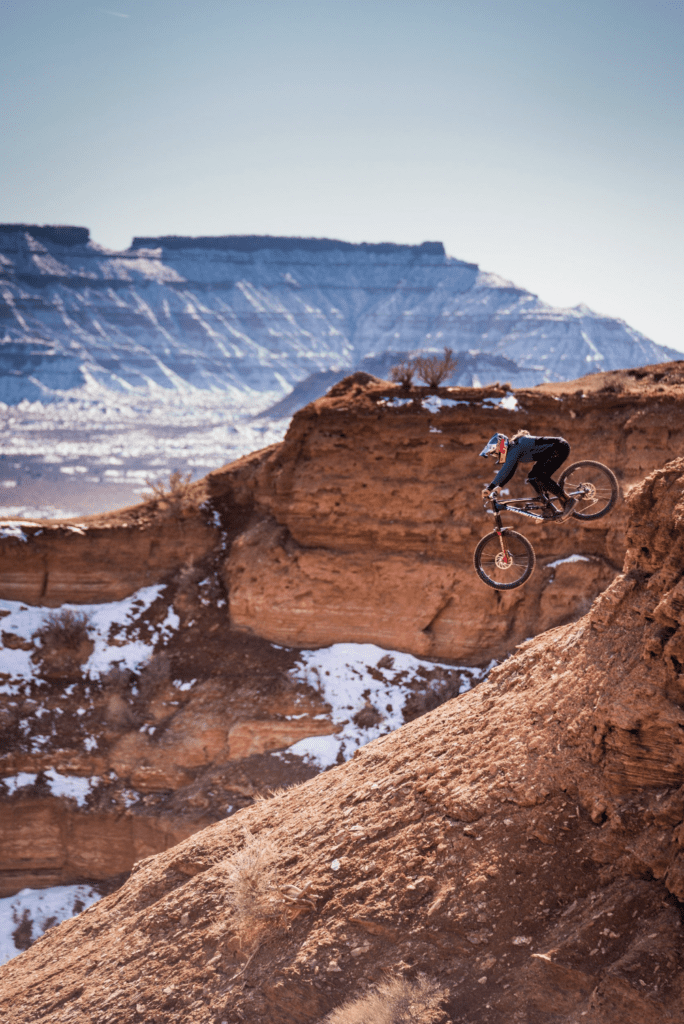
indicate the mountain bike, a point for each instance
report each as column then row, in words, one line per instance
column 505, row 559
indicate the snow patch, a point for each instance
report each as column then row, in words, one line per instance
column 114, row 628
column 36, row 910
column 352, row 678
column 73, row 787
column 570, row 558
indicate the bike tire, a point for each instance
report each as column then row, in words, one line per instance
column 605, row 486
column 523, row 560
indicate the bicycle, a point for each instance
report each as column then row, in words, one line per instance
column 505, row 559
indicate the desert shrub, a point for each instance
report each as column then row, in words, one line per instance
column 403, row 373
column 434, row 370
column 395, row 1001
column 116, row 679
column 251, row 890
column 63, row 629
column 156, row 672
column 188, row 577
column 174, row 496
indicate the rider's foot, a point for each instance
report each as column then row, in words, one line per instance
column 569, row 506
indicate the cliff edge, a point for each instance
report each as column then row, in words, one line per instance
column 520, row 846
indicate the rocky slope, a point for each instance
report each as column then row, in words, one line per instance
column 358, row 530
column 251, row 317
column 519, row 846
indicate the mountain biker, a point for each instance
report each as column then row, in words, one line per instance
column 547, row 453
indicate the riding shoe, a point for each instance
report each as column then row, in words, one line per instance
column 568, row 508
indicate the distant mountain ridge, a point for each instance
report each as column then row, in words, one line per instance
column 254, row 317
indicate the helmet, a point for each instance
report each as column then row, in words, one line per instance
column 496, row 445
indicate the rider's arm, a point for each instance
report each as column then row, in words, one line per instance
column 509, row 467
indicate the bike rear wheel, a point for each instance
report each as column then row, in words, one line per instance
column 507, row 569
column 595, row 487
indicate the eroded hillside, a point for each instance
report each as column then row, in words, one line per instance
column 519, row 846
column 189, row 695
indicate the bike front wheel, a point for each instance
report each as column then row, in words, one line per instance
column 595, row 487
column 504, row 562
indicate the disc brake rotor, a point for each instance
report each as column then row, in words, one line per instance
column 501, row 564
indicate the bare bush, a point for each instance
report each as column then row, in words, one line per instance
column 403, row 373
column 174, row 496
column 188, row 578
column 64, row 629
column 395, row 1001
column 157, row 672
column 116, row 679
column 434, row 370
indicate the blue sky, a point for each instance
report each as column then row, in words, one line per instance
column 540, row 139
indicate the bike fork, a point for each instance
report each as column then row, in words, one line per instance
column 499, row 533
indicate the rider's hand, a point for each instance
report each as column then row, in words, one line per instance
column 486, row 493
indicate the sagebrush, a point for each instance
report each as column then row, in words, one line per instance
column 434, row 370
column 395, row 1001
column 63, row 629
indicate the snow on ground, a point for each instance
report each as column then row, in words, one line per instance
column 115, row 620
column 71, row 786
column 26, row 916
column 570, row 558
column 353, row 678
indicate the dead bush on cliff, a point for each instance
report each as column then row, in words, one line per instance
column 156, row 672
column 116, row 679
column 175, row 496
column 64, row 630
column 403, row 373
column 395, row 1001
column 434, row 370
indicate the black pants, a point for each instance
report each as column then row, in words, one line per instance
column 547, row 463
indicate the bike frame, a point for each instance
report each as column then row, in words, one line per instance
column 510, row 506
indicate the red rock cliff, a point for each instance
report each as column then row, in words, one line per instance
column 521, row 846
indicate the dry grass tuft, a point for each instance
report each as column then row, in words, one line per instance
column 260, row 903
column 396, row 1001
column 434, row 370
column 251, row 890
column 62, row 630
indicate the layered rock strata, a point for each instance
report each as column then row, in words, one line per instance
column 520, row 846
column 359, row 527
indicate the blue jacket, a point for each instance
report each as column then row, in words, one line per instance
column 525, row 449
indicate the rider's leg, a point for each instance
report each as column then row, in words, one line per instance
column 551, row 460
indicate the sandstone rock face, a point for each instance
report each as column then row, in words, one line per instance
column 521, row 846
column 373, row 513
column 359, row 527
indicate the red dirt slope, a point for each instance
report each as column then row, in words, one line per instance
column 521, row 845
